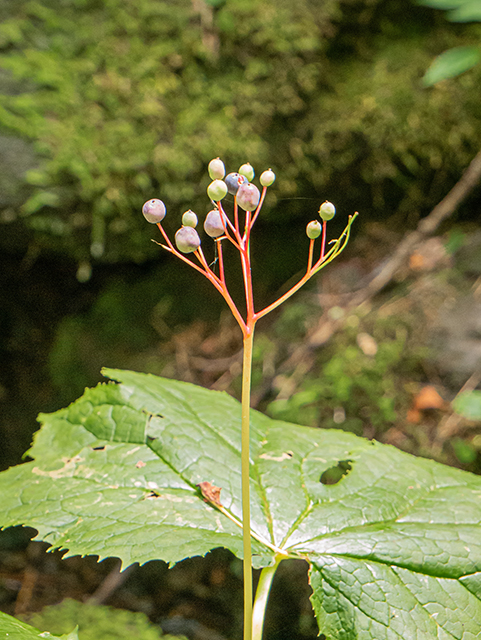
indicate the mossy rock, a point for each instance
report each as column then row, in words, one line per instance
column 95, row 622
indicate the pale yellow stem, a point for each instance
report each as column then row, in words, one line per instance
column 245, row 469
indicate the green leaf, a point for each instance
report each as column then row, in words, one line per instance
column 394, row 542
column 466, row 12
column 16, row 630
column 468, row 405
column 451, row 63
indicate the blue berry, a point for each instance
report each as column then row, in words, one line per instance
column 234, row 181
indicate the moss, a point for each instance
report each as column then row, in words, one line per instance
column 95, row 622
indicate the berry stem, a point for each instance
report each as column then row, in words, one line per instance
column 220, row 258
column 311, row 255
column 335, row 250
column 259, row 207
column 323, row 241
column 247, row 275
column 236, row 219
column 199, row 254
column 225, row 222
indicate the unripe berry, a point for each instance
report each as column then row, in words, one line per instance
column 213, row 224
column 187, row 239
column 248, row 196
column 189, row 219
column 327, row 211
column 217, row 190
column 154, row 211
column 234, row 181
column 248, row 171
column 216, row 169
column 313, row 229
column 267, row 178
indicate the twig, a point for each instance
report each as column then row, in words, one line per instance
column 111, row 583
column 449, row 425
column 25, row 595
column 426, row 227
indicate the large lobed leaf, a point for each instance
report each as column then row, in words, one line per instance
column 394, row 545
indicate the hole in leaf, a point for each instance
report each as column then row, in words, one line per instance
column 336, row 473
column 99, row 448
column 322, row 637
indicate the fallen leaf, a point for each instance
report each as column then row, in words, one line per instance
column 428, row 398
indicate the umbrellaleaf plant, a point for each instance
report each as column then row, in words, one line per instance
column 148, row 468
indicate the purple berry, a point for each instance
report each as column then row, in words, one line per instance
column 154, row 211
column 213, row 224
column 234, row 181
column 187, row 240
column 248, row 196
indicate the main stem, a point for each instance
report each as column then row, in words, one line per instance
column 245, row 469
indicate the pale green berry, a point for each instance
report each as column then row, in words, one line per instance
column 327, row 211
column 213, row 225
column 267, row 178
column 248, row 196
column 217, row 190
column 313, row 229
column 247, row 170
column 189, row 219
column 187, row 239
column 154, row 211
column 216, row 169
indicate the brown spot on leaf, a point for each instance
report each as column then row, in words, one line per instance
column 210, row 493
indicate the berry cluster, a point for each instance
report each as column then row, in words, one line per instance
column 219, row 227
